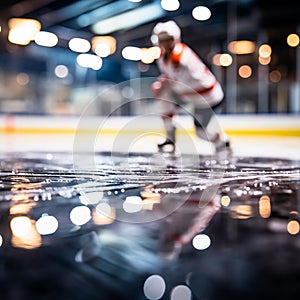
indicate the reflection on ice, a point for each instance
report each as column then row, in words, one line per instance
column 112, row 228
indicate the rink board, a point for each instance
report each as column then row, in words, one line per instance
column 265, row 135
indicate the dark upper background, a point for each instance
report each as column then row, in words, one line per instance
column 262, row 21
column 61, row 16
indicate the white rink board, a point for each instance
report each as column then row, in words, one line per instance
column 278, row 135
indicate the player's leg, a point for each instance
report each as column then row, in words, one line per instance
column 209, row 131
column 167, row 109
column 170, row 131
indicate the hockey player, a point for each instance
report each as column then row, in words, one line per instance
column 185, row 75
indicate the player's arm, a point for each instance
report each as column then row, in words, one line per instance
column 160, row 85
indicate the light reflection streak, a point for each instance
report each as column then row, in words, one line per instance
column 241, row 212
column 103, row 214
column 80, row 215
column 133, row 204
column 91, row 197
column 277, row 225
column 24, row 233
column 22, row 207
column 293, row 227
column 46, row 224
column 225, row 200
column 154, row 287
column 201, row 241
column 20, row 226
column 150, row 198
column 181, row 292
column 265, row 206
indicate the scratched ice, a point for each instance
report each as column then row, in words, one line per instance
column 55, row 174
column 77, row 232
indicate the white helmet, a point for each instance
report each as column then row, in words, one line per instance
column 164, row 30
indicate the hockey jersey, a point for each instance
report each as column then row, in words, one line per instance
column 190, row 78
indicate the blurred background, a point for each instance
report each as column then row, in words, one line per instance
column 73, row 50
column 61, row 60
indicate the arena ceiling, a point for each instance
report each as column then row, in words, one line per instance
column 69, row 18
column 264, row 20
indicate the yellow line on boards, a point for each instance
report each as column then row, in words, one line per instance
column 265, row 132
column 112, row 131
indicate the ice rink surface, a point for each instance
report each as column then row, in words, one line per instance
column 85, row 222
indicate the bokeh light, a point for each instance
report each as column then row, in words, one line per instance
column 154, row 287
column 201, row 241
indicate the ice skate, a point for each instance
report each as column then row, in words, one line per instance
column 225, row 146
column 223, row 149
column 167, row 146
